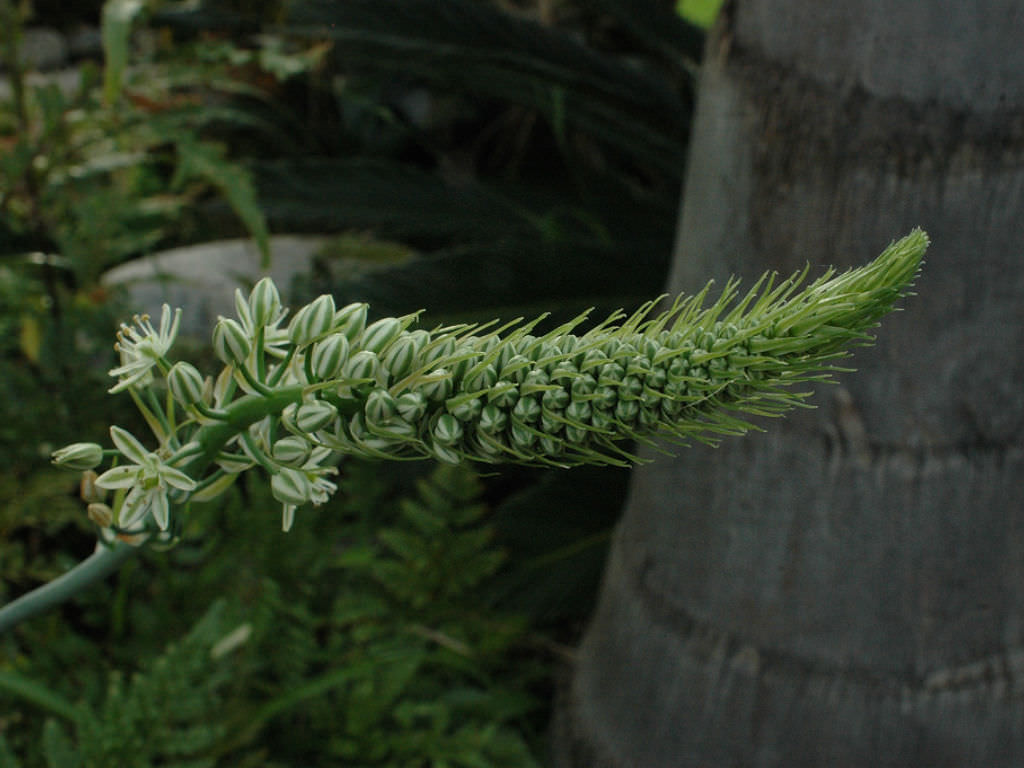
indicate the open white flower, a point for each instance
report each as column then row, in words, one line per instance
column 141, row 345
column 148, row 478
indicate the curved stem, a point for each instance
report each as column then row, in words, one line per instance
column 101, row 563
column 105, row 560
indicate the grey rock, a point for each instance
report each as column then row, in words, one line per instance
column 43, row 48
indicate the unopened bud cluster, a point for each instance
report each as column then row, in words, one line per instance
column 294, row 397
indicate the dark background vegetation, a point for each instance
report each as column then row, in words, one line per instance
column 480, row 159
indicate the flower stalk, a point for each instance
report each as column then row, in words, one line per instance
column 294, row 400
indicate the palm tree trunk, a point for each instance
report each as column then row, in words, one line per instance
column 847, row 588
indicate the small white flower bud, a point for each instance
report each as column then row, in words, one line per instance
column 329, row 355
column 439, row 387
column 527, row 409
column 522, row 435
column 503, row 394
column 291, row 486
column 78, row 456
column 380, row 334
column 445, row 454
column 314, row 416
column 399, row 357
column 411, row 406
column 264, row 302
column 579, row 411
column 380, row 406
column 464, row 409
column 484, row 379
column 312, row 321
column 447, row 431
column 351, row 320
column 231, row 344
column 492, row 419
column 292, row 450
column 186, row 383
column 363, row 365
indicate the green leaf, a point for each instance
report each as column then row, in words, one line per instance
column 117, row 19
column 7, row 758
column 58, row 748
column 471, row 47
column 38, row 695
column 206, row 161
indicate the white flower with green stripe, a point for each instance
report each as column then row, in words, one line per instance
column 149, row 479
column 142, row 346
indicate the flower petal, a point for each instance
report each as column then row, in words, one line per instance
column 128, row 445
column 288, row 517
column 176, row 478
column 119, row 477
column 134, row 509
column 161, row 510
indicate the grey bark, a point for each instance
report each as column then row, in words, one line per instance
column 846, row 588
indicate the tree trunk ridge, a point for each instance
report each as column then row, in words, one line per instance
column 847, row 588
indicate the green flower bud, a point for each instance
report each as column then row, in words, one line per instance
column 445, row 453
column 492, row 419
column 480, row 379
column 626, row 411
column 551, row 446
column 576, row 435
column 523, row 437
column 400, row 356
column 292, row 450
column 611, row 375
column 264, row 303
column 380, row 334
column 595, row 358
column 231, row 344
column 312, row 321
column 291, row 486
column 411, row 406
column 186, row 383
column 380, row 407
column 439, row 350
column 551, row 422
column 602, row 421
column 503, row 394
column 464, row 408
column 351, row 320
column 78, row 456
column 630, row 388
column 314, row 416
column 439, row 387
column 329, row 356
column 448, row 430
column 363, row 365
column 527, row 409
column 583, row 386
column 555, row 399
column 605, row 397
column 579, row 412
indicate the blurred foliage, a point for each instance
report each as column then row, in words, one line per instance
column 475, row 157
column 373, row 638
